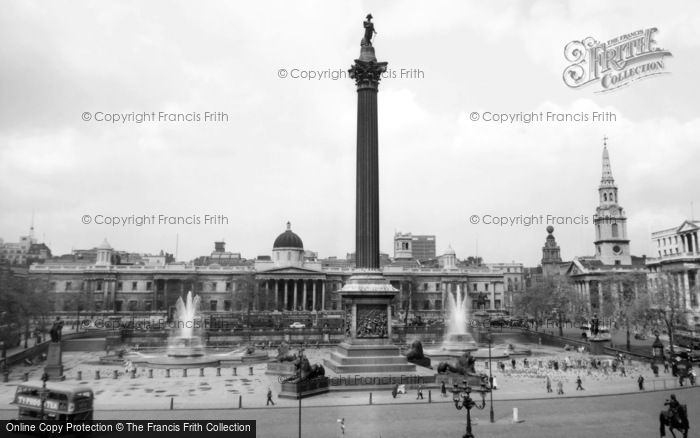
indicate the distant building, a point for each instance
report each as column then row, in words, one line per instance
column 678, row 255
column 551, row 263
column 24, row 252
column 416, row 247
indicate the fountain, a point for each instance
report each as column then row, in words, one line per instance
column 185, row 346
column 187, row 341
column 457, row 338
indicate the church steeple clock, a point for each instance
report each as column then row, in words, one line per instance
column 611, row 242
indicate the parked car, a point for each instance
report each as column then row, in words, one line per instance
column 297, row 325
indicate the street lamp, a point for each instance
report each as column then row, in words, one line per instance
column 657, row 348
column 43, row 393
column 490, row 380
column 462, row 399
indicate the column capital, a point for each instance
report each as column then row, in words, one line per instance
column 367, row 74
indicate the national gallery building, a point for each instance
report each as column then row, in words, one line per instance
column 290, row 280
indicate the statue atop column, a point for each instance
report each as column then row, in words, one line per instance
column 369, row 31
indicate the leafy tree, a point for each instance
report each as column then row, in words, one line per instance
column 625, row 293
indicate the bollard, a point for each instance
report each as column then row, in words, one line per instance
column 250, row 371
column 515, row 415
column 370, row 398
column 430, row 396
column 201, row 372
column 240, row 402
column 150, row 373
column 25, row 377
column 172, row 399
column 115, row 374
column 234, row 371
column 80, row 375
column 218, row 372
column 97, row 374
column 167, row 372
column 184, row 372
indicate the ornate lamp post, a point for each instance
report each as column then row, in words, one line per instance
column 462, row 399
column 491, row 417
column 43, row 394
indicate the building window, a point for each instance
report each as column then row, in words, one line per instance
column 474, row 287
column 99, row 285
column 497, row 304
column 228, row 286
column 132, row 305
column 486, row 287
column 438, row 304
column 68, row 285
column 426, row 305
column 148, row 306
column 118, row 306
column 227, row 305
column 149, row 285
column 212, row 305
column 213, row 286
column 120, row 285
column 614, row 230
column 134, row 285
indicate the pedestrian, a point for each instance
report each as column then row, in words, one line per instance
column 623, row 372
column 640, row 381
column 342, row 425
column 503, row 367
column 560, row 388
column 578, row 384
column 443, row 389
column 269, row 397
column 526, row 363
column 420, row 392
column 655, row 369
column 494, row 383
column 666, row 366
column 395, row 389
column 512, row 362
column 549, row 384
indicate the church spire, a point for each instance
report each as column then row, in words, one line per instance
column 607, row 179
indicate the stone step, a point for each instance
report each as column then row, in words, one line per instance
column 369, row 368
column 367, row 360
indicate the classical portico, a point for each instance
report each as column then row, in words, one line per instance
column 294, row 289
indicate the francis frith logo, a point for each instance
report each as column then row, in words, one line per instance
column 615, row 63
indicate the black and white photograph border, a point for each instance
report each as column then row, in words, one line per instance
column 361, row 219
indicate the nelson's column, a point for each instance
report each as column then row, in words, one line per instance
column 368, row 347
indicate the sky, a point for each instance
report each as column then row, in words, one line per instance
column 287, row 149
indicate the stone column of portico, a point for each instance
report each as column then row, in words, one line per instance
column 295, row 295
column 323, row 295
column 600, row 297
column 303, row 296
column 313, row 295
column 686, row 289
column 587, row 295
column 286, row 293
column 277, row 295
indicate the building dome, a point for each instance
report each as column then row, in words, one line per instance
column 104, row 245
column 288, row 239
column 450, row 251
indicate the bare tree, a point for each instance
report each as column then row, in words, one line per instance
column 666, row 305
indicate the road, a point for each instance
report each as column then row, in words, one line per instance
column 634, row 415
